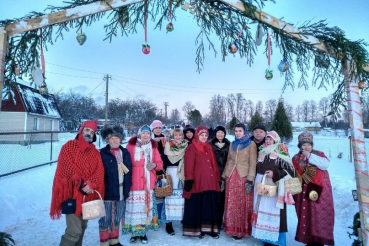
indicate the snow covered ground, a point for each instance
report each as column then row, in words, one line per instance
column 25, row 200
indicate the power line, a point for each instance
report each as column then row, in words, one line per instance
column 94, row 88
column 72, row 75
column 121, row 90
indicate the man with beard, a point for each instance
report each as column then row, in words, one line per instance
column 79, row 173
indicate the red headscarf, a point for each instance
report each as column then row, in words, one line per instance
column 201, row 147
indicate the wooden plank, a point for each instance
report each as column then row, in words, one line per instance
column 268, row 19
column 3, row 48
column 66, row 15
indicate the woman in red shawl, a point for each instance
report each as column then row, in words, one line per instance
column 314, row 206
column 201, row 188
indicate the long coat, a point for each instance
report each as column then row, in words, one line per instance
column 201, row 170
column 221, row 154
column 243, row 160
column 138, row 171
column 111, row 178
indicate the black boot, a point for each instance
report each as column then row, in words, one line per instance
column 169, row 228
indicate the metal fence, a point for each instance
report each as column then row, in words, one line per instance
column 20, row 151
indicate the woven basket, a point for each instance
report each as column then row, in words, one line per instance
column 292, row 185
column 264, row 189
column 165, row 190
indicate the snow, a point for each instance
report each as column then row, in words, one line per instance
column 26, row 199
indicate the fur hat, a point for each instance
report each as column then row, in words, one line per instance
column 305, row 137
column 144, row 128
column 156, row 123
column 188, row 128
column 109, row 131
column 220, row 128
column 259, row 126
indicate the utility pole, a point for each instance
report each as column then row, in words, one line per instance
column 106, row 77
column 166, row 104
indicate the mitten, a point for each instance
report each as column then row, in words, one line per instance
column 249, row 185
column 188, row 185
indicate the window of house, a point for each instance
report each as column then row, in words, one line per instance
column 35, row 123
column 51, row 125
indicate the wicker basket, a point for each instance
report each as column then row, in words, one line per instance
column 167, row 190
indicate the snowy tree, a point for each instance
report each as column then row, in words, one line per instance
column 256, row 119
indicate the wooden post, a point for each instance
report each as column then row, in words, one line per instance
column 3, row 48
column 359, row 152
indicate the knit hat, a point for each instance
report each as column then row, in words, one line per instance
column 144, row 128
column 220, row 128
column 89, row 124
column 109, row 131
column 274, row 135
column 200, row 130
column 305, row 137
column 156, row 123
column 259, row 126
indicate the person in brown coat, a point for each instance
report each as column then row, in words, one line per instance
column 201, row 190
column 239, row 173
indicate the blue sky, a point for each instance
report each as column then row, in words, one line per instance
column 168, row 73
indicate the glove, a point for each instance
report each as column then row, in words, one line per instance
column 150, row 166
column 188, row 185
column 249, row 185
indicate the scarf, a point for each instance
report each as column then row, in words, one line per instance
column 244, row 142
column 278, row 152
column 143, row 150
column 175, row 152
column 122, row 169
column 203, row 148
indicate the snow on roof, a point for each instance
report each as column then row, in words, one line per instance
column 36, row 103
column 305, row 124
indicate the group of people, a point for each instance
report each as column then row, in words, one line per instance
column 214, row 184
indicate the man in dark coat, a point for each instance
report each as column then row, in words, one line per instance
column 259, row 132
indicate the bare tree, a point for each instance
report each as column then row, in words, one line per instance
column 187, row 108
column 175, row 116
column 313, row 109
column 231, row 103
column 270, row 107
column 239, row 104
column 289, row 111
column 217, row 107
column 299, row 113
column 259, row 107
column 305, row 110
column 324, row 108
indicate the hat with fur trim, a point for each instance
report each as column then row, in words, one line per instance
column 109, row 131
column 156, row 123
column 305, row 137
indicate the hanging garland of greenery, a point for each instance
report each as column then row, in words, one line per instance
column 213, row 17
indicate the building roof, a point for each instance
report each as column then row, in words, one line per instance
column 305, row 124
column 35, row 103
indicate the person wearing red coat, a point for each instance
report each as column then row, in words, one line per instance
column 79, row 173
column 141, row 210
column 202, row 187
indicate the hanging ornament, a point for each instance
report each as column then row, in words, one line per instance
column 81, row 38
column 259, row 35
column 146, row 49
column 170, row 26
column 365, row 67
column 43, row 89
column 146, row 46
column 233, row 47
column 283, row 66
column 268, row 74
column 362, row 84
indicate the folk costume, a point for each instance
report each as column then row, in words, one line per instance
column 269, row 221
column 240, row 167
column 220, row 150
column 141, row 212
column 79, row 164
column 315, row 216
column 201, row 189
column 118, row 181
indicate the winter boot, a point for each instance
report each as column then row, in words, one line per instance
column 169, row 228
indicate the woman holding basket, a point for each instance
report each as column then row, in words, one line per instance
column 269, row 220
